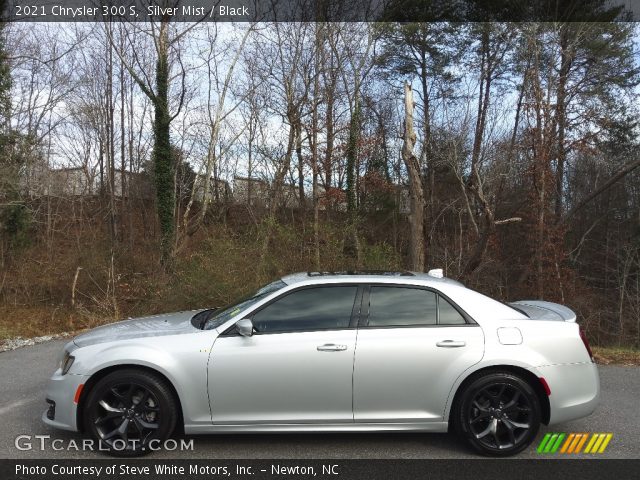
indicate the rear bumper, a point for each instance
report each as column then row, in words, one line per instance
column 61, row 390
column 575, row 390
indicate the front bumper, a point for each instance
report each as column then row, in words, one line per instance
column 575, row 390
column 62, row 390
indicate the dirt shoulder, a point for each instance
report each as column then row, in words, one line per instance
column 617, row 356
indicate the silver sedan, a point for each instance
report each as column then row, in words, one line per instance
column 331, row 352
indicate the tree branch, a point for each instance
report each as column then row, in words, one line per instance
column 508, row 220
column 624, row 171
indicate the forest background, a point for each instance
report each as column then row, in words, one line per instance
column 150, row 167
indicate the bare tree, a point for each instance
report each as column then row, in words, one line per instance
column 165, row 41
column 416, row 193
column 217, row 112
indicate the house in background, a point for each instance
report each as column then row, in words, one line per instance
column 136, row 184
column 290, row 196
column 69, row 182
column 219, row 190
column 81, row 182
column 250, row 191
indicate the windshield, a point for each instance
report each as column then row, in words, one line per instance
column 215, row 318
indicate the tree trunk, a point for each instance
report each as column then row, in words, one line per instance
column 565, row 65
column 274, row 200
column 351, row 153
column 352, row 245
column 427, row 156
column 621, row 173
column 250, row 160
column 330, row 99
column 300, row 164
column 487, row 222
column 123, row 178
column 314, row 150
column 541, row 157
column 130, row 191
column 416, row 193
column 111, row 141
column 162, row 148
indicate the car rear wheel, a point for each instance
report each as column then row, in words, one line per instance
column 129, row 411
column 498, row 414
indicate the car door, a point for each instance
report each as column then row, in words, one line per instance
column 298, row 365
column 412, row 345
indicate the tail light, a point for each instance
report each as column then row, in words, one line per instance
column 545, row 385
column 583, row 336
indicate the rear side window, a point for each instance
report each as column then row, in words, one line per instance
column 447, row 314
column 405, row 306
column 321, row 308
column 397, row 306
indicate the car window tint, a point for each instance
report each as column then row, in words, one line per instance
column 308, row 309
column 447, row 314
column 398, row 306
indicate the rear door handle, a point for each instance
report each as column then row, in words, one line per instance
column 331, row 347
column 450, row 343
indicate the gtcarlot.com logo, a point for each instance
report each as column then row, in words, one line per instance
column 45, row 442
column 574, row 443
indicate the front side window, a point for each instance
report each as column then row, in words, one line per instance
column 209, row 319
column 321, row 308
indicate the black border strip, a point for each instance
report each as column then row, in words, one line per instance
column 323, row 10
column 369, row 469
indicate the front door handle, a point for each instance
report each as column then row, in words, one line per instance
column 331, row 347
column 450, row 343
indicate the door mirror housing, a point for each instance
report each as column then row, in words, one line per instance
column 245, row 327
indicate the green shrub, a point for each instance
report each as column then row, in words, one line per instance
column 15, row 221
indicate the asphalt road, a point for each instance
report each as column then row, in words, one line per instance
column 24, row 373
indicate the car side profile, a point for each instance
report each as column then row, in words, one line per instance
column 332, row 352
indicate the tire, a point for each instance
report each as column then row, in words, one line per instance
column 498, row 414
column 127, row 409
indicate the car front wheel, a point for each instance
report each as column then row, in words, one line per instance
column 498, row 414
column 129, row 411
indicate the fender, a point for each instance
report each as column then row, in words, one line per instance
column 171, row 363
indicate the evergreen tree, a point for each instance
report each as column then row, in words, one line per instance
column 15, row 217
column 5, row 77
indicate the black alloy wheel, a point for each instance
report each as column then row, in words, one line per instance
column 128, row 409
column 499, row 414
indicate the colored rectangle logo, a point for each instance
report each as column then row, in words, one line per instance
column 574, row 443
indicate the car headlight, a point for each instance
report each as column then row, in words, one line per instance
column 66, row 362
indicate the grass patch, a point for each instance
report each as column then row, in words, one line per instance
column 617, row 356
column 29, row 322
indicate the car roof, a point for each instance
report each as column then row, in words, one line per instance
column 416, row 278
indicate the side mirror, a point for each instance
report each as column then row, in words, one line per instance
column 245, row 327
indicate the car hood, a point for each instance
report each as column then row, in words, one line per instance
column 153, row 326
